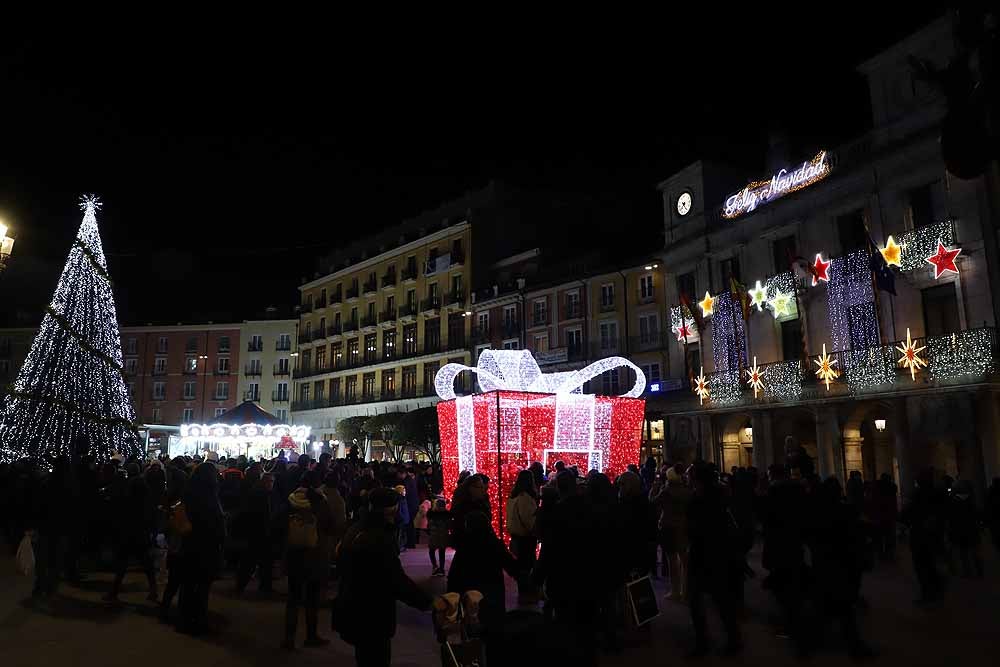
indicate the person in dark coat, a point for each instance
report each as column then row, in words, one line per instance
column 202, row 548
column 134, row 510
column 925, row 516
column 471, row 496
column 715, row 562
column 371, row 580
column 307, row 565
column 409, row 482
column 963, row 528
column 257, row 524
column 993, row 512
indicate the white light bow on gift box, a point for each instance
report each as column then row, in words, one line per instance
column 523, row 416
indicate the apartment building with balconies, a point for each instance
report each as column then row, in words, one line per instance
column 266, row 369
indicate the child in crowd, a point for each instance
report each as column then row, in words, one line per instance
column 438, row 520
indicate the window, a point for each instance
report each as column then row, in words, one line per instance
column 371, row 311
column 609, row 335
column 221, row 391
column 608, row 295
column 409, row 380
column 130, row 366
column 285, row 341
column 319, row 390
column 411, row 299
column 308, row 331
column 390, row 306
column 130, row 346
column 256, row 343
column 432, row 335
column 161, row 345
column 456, row 331
column 784, row 252
column 223, row 365
column 410, row 339
column 322, row 327
column 283, row 366
column 610, row 383
column 456, row 286
column 281, row 391
column 388, row 383
column 509, row 318
column 352, row 352
column 368, row 386
column 156, row 416
column 479, row 351
column 192, row 344
column 940, row 309
column 219, row 412
column 189, row 391
column 305, row 392
column 693, row 360
column 321, row 358
column 791, row 339
column 371, row 348
column 542, row 343
column 188, row 416
column 160, row 366
column 411, row 266
column 539, row 311
column 335, row 389
column 646, row 286
column 511, row 344
column 337, row 355
column 729, row 270
column 573, row 305
column 686, row 285
column 282, row 415
column 851, row 229
column 652, row 372
column 336, row 323
column 351, row 388
column 354, row 315
column 574, row 342
column 223, row 343
column 921, row 205
column 159, row 391
column 253, row 392
column 191, row 364
column 131, row 389
column 430, row 371
column 483, row 322
column 255, row 365
column 649, row 329
column 432, row 292
column 388, row 344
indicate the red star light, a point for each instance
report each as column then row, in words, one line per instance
column 820, row 270
column 683, row 332
column 943, row 260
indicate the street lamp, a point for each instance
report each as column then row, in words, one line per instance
column 880, row 425
column 6, row 246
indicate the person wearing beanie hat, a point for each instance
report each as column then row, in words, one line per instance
column 371, row 580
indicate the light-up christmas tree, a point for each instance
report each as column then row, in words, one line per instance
column 70, row 395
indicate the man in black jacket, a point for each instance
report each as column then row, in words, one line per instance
column 371, row 580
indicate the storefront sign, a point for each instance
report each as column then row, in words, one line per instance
column 781, row 183
column 554, row 356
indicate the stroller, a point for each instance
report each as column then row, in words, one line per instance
column 457, row 628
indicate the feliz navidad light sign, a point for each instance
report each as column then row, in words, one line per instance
column 782, row 183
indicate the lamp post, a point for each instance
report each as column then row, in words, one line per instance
column 6, row 245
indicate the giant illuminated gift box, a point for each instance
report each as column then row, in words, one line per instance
column 524, row 415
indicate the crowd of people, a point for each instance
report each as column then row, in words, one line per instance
column 573, row 540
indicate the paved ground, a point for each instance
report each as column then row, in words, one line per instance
column 76, row 628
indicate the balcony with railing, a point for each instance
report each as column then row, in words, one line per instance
column 430, row 305
column 457, row 257
column 370, row 286
column 337, row 297
column 409, row 274
column 319, row 333
column 387, row 318
column 455, row 299
column 607, row 306
column 654, row 340
column 369, row 322
column 221, row 371
column 191, row 347
column 334, row 330
column 306, row 307
column 573, row 311
column 251, row 370
column 320, row 303
column 352, row 293
column 305, row 337
column 647, row 295
column 481, row 334
column 280, row 371
column 160, row 371
column 510, row 328
column 279, row 396
column 407, row 313
column 255, row 345
column 350, row 326
column 388, row 281
column 283, row 345
column 463, row 386
column 539, row 318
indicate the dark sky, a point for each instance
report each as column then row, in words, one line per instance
column 230, row 158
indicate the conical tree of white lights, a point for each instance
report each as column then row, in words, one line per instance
column 70, row 395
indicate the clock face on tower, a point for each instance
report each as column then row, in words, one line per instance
column 684, row 203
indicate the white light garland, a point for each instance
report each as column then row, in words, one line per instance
column 675, row 323
column 964, row 353
column 782, row 380
column 921, row 243
column 727, row 387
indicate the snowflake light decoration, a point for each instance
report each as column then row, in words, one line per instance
column 911, row 356
column 701, row 387
column 755, row 378
column 826, row 370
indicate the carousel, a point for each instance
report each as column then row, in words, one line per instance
column 246, row 430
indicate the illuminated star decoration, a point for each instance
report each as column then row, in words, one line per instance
column 758, row 296
column 780, row 303
column 826, row 370
column 943, row 260
column 701, row 387
column 683, row 331
column 892, row 253
column 820, row 270
column 707, row 305
column 911, row 356
column 755, row 378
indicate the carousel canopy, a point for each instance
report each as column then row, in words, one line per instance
column 247, row 412
column 246, row 421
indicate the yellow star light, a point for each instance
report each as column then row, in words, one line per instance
column 892, row 253
column 758, row 295
column 781, row 304
column 707, row 305
column 826, row 370
column 701, row 387
column 911, row 356
column 756, row 380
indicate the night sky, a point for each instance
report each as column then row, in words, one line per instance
column 230, row 159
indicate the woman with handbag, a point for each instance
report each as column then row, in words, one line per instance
column 522, row 505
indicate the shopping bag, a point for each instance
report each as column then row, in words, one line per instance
column 641, row 598
column 25, row 558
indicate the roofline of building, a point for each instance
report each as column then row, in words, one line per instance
column 904, row 45
column 283, row 320
column 183, row 327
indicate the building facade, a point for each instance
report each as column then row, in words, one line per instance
column 266, row 369
column 14, row 347
column 796, row 241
